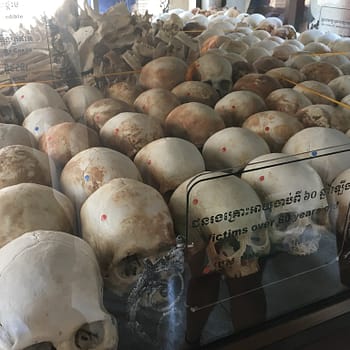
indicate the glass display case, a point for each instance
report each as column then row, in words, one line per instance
column 175, row 180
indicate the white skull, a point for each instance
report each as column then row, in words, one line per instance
column 40, row 120
column 214, row 70
column 11, row 134
column 318, row 144
column 232, row 148
column 51, row 295
column 225, row 216
column 126, row 221
column 90, row 169
column 33, row 96
column 294, row 198
column 28, row 207
column 167, row 162
column 79, row 98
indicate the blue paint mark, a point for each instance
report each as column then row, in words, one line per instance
column 36, row 128
column 314, row 153
column 87, row 177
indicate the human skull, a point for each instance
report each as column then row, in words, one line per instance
column 167, row 162
column 7, row 113
column 79, row 98
column 40, row 120
column 223, row 216
column 126, row 221
column 11, row 134
column 193, row 121
column 66, row 273
column 163, row 72
column 274, row 127
column 100, row 111
column 232, row 148
column 90, row 169
column 316, row 91
column 62, row 141
column 33, row 96
column 30, row 206
column 157, row 103
column 295, row 201
column 196, row 91
column 19, row 163
column 128, row 132
column 214, row 70
column 287, row 100
column 237, row 106
column 327, row 149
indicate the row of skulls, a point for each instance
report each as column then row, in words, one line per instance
column 195, row 149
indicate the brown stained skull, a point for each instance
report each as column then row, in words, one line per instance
column 196, row 91
column 287, row 100
column 237, row 106
column 33, row 207
column 163, row 72
column 19, row 164
column 128, row 132
column 193, row 121
column 274, row 127
column 261, row 84
column 157, row 103
column 100, row 111
column 214, row 70
column 62, row 141
column 92, row 168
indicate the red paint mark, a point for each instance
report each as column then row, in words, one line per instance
column 195, row 201
column 149, row 162
column 103, row 217
column 22, row 96
column 267, row 128
column 207, row 270
column 223, row 149
column 116, row 130
column 233, row 107
column 262, row 178
column 98, row 117
column 188, row 94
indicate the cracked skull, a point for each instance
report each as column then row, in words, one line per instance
column 126, row 221
column 66, row 273
column 294, row 200
column 225, row 218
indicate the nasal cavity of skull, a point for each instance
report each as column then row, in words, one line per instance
column 227, row 247
column 130, row 266
column 41, row 346
column 90, row 335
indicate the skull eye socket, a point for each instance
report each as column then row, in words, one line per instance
column 225, row 85
column 130, row 266
column 41, row 346
column 283, row 220
column 89, row 336
column 319, row 217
